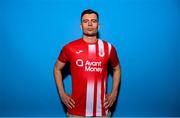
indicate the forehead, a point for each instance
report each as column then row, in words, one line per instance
column 89, row 16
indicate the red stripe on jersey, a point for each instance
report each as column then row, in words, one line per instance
column 95, row 96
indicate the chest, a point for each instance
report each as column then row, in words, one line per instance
column 89, row 55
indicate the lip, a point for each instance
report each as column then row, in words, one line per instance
column 90, row 29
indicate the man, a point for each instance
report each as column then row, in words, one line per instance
column 88, row 58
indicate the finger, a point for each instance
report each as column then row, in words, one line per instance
column 68, row 105
column 71, row 104
column 105, row 100
column 72, row 101
column 110, row 103
column 105, row 103
column 65, row 102
column 107, row 106
column 106, row 97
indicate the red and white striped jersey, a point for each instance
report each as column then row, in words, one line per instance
column 88, row 64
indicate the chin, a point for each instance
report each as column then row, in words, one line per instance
column 90, row 34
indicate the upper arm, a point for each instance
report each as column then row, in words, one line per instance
column 117, row 68
column 114, row 60
column 59, row 65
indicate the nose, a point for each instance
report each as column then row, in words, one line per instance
column 89, row 23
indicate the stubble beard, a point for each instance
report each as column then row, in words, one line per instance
column 90, row 34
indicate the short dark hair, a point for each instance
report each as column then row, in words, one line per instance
column 89, row 11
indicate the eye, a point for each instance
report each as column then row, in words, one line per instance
column 94, row 21
column 85, row 21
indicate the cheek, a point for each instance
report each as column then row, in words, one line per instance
column 95, row 25
column 84, row 26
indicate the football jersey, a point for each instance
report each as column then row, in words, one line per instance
column 89, row 70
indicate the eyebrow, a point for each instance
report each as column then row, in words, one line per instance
column 88, row 19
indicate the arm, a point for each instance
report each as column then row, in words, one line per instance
column 110, row 98
column 66, row 99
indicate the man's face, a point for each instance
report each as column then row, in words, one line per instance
column 89, row 24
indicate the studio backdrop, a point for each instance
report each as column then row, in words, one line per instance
column 146, row 35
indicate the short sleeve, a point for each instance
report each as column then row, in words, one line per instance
column 63, row 56
column 113, row 57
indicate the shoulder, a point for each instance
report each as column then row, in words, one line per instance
column 73, row 43
column 110, row 45
column 104, row 41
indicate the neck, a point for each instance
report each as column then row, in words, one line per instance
column 89, row 39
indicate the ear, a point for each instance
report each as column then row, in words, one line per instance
column 98, row 26
column 81, row 26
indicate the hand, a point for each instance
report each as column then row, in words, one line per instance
column 67, row 100
column 109, row 100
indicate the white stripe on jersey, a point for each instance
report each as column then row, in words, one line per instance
column 101, row 48
column 98, row 104
column 92, row 48
column 106, row 111
column 109, row 48
column 90, row 98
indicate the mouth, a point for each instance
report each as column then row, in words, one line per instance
column 89, row 29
